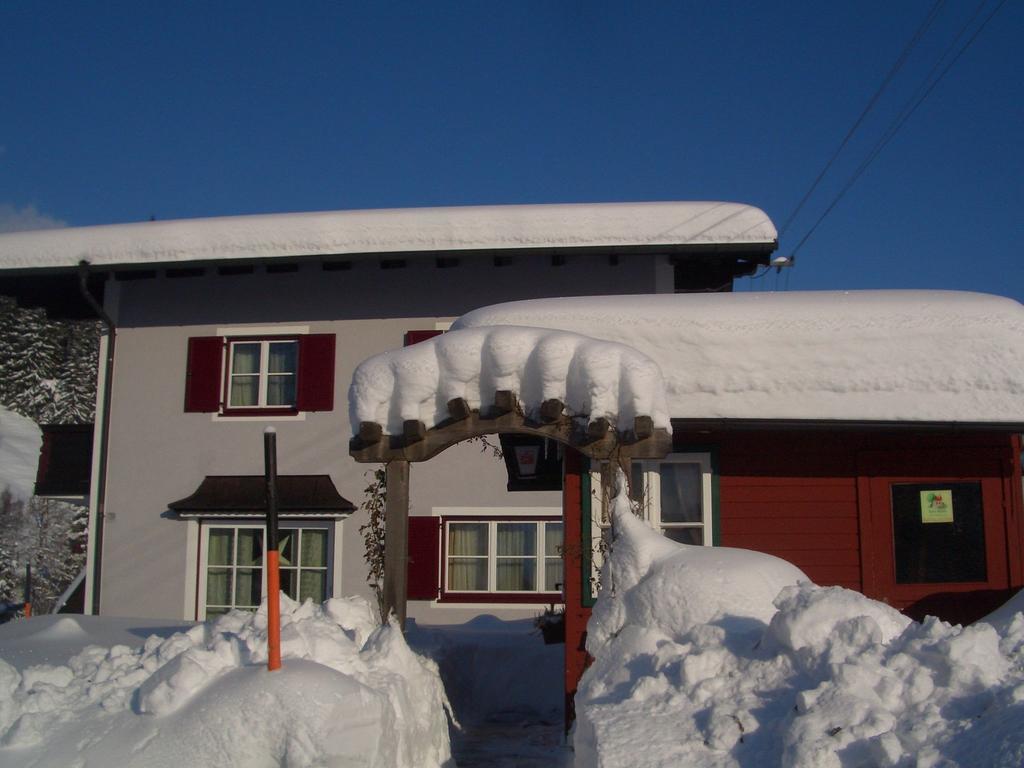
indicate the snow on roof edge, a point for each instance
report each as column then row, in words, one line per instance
column 928, row 357
column 407, row 230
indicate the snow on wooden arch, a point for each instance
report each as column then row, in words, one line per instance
column 604, row 399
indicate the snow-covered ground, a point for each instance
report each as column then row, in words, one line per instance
column 703, row 657
column 697, row 664
column 348, row 694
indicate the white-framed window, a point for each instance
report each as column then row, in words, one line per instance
column 232, row 573
column 262, row 373
column 675, row 496
column 504, row 557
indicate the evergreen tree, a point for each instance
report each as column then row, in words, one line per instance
column 47, row 373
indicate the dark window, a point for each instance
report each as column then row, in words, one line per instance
column 938, row 532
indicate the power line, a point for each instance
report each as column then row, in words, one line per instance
column 922, row 93
column 896, row 67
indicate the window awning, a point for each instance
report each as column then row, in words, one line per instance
column 298, row 496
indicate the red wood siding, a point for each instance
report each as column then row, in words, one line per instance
column 804, row 495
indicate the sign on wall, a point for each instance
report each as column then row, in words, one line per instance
column 937, row 506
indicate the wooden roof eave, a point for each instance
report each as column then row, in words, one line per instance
column 595, row 439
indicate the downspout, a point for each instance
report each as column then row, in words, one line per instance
column 96, row 535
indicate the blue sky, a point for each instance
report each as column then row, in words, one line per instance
column 113, row 112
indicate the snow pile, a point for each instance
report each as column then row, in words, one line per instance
column 877, row 355
column 592, row 378
column 348, row 694
column 20, row 441
column 410, row 230
column 824, row 678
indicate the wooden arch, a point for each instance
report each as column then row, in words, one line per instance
column 595, row 439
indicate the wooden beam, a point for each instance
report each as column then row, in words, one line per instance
column 413, row 430
column 396, row 539
column 370, row 432
column 598, row 428
column 504, row 402
column 551, row 410
column 459, row 409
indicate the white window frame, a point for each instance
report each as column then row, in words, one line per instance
column 651, row 506
column 652, row 494
column 263, row 374
column 492, row 556
column 285, row 525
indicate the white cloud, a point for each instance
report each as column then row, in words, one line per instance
column 19, row 219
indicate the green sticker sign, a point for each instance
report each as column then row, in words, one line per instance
column 937, row 506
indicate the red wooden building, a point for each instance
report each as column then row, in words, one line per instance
column 873, row 439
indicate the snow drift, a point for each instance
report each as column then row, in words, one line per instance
column 20, row 440
column 349, row 694
column 817, row 677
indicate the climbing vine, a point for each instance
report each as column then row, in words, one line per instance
column 373, row 504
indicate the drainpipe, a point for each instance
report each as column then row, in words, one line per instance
column 96, row 534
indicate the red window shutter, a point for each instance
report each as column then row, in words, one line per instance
column 203, row 381
column 316, row 372
column 424, row 558
column 415, row 337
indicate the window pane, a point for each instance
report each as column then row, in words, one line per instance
column 222, row 544
column 636, row 482
column 466, row 573
column 250, row 546
column 939, row 533
column 219, row 611
column 553, row 539
column 680, row 492
column 467, row 539
column 218, row 587
column 281, row 390
column 282, row 357
column 286, row 546
column 244, row 391
column 517, row 539
column 516, row 574
column 313, row 584
column 552, row 574
column 314, row 548
column 288, row 581
column 245, row 358
column 248, row 587
column 685, row 535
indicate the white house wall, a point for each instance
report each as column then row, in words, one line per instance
column 159, row 453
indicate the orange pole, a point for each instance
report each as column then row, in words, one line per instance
column 273, row 556
column 273, row 610
column 27, row 610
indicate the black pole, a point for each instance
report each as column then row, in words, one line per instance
column 270, row 474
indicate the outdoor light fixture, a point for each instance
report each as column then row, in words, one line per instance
column 526, row 459
column 533, row 463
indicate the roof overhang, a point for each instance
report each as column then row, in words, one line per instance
column 244, row 496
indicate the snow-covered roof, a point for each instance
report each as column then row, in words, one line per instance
column 410, row 230
column 930, row 356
